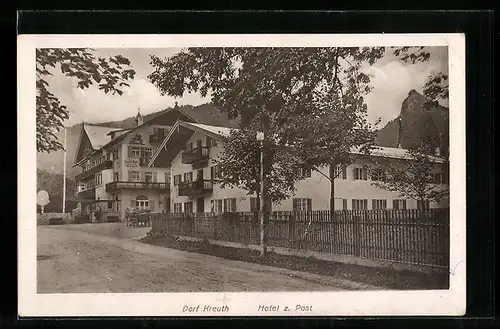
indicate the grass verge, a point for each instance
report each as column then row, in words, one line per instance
column 381, row 277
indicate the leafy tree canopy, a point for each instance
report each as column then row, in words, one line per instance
column 110, row 74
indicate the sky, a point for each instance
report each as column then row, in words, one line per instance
column 391, row 81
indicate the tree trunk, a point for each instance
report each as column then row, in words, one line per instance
column 264, row 173
column 263, row 195
column 332, row 187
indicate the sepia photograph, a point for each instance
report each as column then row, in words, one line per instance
column 210, row 174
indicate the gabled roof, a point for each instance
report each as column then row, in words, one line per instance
column 130, row 130
column 219, row 132
column 98, row 135
column 394, row 153
column 216, row 132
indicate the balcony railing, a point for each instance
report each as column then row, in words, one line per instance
column 195, row 188
column 91, row 171
column 156, row 138
column 113, row 186
column 88, row 193
column 197, row 154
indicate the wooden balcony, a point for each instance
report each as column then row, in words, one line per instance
column 113, row 186
column 90, row 172
column 87, row 194
column 197, row 154
column 197, row 187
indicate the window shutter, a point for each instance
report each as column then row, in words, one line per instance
column 211, row 173
column 294, row 204
column 353, row 204
column 309, row 205
column 373, row 204
column 233, row 204
column 385, row 204
column 155, row 176
column 395, row 204
column 344, row 173
column 404, row 204
column 365, row 174
column 354, row 173
column 344, row 204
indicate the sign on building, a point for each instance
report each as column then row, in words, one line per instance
column 132, row 162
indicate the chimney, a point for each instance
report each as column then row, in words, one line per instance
column 139, row 120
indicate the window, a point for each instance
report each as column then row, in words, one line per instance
column 302, row 204
column 209, row 141
column 177, row 208
column 116, row 153
column 230, row 205
column 135, row 152
column 198, row 144
column 423, row 204
column 148, row 153
column 188, row 206
column 116, row 177
column 135, row 176
column 215, row 172
column 160, row 132
column 216, row 206
column 360, row 174
column 439, row 178
column 340, row 172
column 188, row 177
column 304, row 172
column 177, row 179
column 110, row 204
column 98, row 179
column 142, row 203
column 344, row 204
column 148, row 176
column 379, row 204
column 359, row 204
column 398, row 204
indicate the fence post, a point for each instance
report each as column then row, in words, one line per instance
column 214, row 227
column 355, row 226
column 168, row 220
column 291, row 230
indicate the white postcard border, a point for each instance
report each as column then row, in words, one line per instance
column 356, row 303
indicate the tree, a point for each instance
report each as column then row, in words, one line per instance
column 415, row 178
column 53, row 184
column 275, row 91
column 272, row 90
column 109, row 74
column 436, row 87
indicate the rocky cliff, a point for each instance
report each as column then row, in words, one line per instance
column 419, row 122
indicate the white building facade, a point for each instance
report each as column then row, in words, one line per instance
column 190, row 150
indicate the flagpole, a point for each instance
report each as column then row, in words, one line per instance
column 64, row 175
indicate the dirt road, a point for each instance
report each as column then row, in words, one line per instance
column 106, row 258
